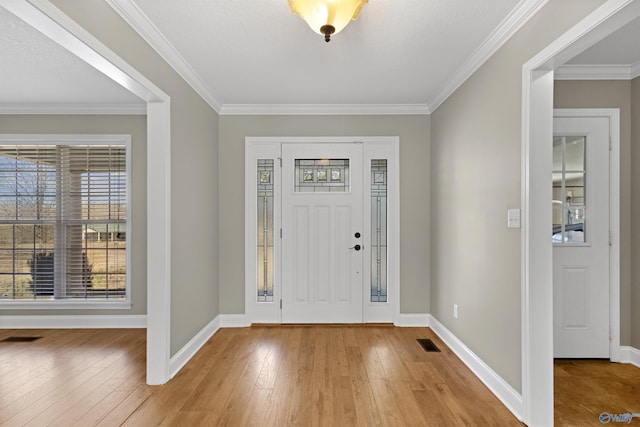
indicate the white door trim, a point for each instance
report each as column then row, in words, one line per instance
column 536, row 258
column 269, row 147
column 613, row 114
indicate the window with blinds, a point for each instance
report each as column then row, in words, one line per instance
column 63, row 222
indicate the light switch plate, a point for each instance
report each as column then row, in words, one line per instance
column 513, row 218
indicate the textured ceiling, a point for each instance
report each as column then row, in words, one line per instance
column 621, row 47
column 255, row 52
column 36, row 70
column 258, row 52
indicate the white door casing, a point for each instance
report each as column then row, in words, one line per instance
column 322, row 259
column 371, row 148
column 536, row 259
column 581, row 270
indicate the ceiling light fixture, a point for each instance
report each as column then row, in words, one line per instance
column 327, row 17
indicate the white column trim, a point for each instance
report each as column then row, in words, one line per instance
column 51, row 21
column 536, row 283
column 158, row 242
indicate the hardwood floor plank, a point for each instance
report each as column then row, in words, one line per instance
column 55, row 393
column 325, row 375
column 586, row 388
column 121, row 412
column 108, row 402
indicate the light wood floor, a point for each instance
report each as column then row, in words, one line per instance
column 586, row 388
column 264, row 376
column 278, row 376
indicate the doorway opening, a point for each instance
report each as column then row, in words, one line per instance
column 536, row 262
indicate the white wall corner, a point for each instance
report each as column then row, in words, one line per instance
column 498, row 386
column 413, row 320
column 630, row 355
column 234, row 321
column 74, row 322
column 185, row 354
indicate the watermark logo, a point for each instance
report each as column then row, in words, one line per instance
column 606, row 418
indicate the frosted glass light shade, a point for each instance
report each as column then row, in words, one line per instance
column 327, row 17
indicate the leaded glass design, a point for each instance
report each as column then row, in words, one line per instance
column 569, row 175
column 379, row 230
column 321, row 175
column 265, row 230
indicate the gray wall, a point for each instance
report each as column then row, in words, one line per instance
column 136, row 126
column 475, row 163
column 414, row 194
column 194, row 145
column 635, row 213
column 611, row 94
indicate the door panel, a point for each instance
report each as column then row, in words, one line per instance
column 575, row 297
column 321, row 212
column 581, row 237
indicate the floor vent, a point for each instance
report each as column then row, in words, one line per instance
column 428, row 345
column 20, row 339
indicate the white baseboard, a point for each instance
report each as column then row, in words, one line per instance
column 630, row 355
column 185, row 354
column 412, row 320
column 234, row 321
column 498, row 386
column 73, row 322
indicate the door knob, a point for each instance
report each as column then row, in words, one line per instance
column 356, row 247
column 357, row 235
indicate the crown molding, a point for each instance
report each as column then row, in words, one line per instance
column 597, row 72
column 324, row 109
column 519, row 16
column 73, row 109
column 635, row 70
column 141, row 24
column 134, row 16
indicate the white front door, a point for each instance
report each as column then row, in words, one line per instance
column 322, row 244
column 581, row 237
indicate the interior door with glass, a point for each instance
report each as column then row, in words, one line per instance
column 580, row 237
column 322, row 243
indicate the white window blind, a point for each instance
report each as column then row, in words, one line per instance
column 63, row 222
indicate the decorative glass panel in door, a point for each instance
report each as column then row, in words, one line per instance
column 321, row 175
column 265, row 230
column 378, row 230
column 569, row 175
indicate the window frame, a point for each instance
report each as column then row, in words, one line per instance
column 80, row 139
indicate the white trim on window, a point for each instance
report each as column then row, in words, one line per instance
column 57, row 140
